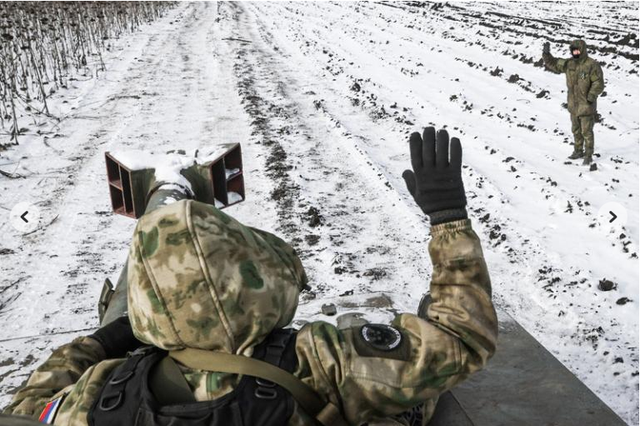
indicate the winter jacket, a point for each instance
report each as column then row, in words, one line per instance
column 585, row 81
column 200, row 279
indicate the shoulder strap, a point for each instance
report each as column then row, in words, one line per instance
column 326, row 413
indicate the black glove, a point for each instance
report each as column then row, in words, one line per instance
column 546, row 48
column 117, row 338
column 436, row 181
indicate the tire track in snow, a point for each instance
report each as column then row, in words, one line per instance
column 588, row 329
column 67, row 261
column 333, row 206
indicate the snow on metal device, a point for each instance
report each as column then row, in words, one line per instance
column 212, row 175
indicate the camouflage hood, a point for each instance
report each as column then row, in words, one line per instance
column 581, row 45
column 198, row 278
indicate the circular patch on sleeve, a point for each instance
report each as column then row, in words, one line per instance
column 381, row 336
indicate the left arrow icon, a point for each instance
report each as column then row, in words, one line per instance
column 25, row 217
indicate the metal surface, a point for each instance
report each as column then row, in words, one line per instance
column 523, row 384
column 219, row 182
column 105, row 298
column 127, row 188
column 450, row 413
column 118, row 302
column 226, row 183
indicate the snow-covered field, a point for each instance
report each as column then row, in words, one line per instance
column 322, row 97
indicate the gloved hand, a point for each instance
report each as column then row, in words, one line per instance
column 117, row 338
column 546, row 48
column 436, row 181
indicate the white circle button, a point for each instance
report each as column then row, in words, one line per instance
column 612, row 215
column 25, row 217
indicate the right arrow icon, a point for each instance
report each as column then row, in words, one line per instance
column 612, row 216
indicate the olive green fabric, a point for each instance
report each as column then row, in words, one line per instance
column 585, row 81
column 8, row 420
column 455, row 337
column 168, row 385
column 582, row 129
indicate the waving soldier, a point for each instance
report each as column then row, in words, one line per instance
column 585, row 83
column 205, row 343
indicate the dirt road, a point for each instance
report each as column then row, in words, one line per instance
column 322, row 98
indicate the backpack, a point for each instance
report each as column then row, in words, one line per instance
column 149, row 389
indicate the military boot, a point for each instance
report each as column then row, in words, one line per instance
column 576, row 155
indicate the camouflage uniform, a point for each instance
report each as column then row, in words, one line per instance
column 200, row 279
column 585, row 82
column 10, row 420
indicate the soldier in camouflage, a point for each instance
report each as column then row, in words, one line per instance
column 199, row 279
column 585, row 83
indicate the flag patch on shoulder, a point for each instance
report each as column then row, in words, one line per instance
column 50, row 410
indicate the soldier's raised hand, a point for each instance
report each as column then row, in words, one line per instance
column 546, row 48
column 436, row 181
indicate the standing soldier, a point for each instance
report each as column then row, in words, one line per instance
column 584, row 83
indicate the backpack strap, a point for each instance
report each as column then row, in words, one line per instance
column 325, row 413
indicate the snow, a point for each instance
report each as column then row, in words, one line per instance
column 135, row 159
column 211, row 154
column 231, row 172
column 234, row 197
column 168, row 200
column 167, row 166
column 322, row 97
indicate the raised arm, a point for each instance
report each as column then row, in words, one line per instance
column 378, row 371
column 554, row 64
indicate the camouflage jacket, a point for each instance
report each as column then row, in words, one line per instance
column 585, row 81
column 452, row 338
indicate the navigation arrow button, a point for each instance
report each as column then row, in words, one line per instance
column 612, row 216
column 25, row 217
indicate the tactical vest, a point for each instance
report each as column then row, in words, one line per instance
column 128, row 399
